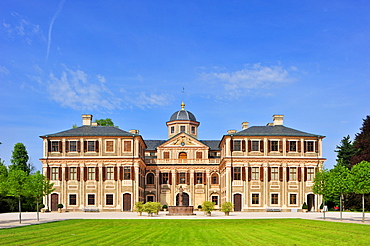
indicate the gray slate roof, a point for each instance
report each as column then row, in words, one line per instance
column 92, row 131
column 273, row 131
column 183, row 115
column 153, row 144
column 212, row 144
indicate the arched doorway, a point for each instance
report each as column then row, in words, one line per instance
column 183, row 155
column 185, row 199
column 237, row 202
column 311, row 202
column 54, row 202
column 126, row 202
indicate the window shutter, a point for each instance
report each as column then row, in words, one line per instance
column 132, row 173
column 204, row 178
column 160, row 178
column 243, row 145
column 85, row 173
column 269, row 146
column 231, row 145
column 78, row 173
column 287, row 174
column 305, row 146
column 121, row 173
column 287, row 146
column 232, row 174
column 66, row 172
column 170, row 178
column 60, row 146
column 115, row 174
column 299, row 147
column 249, row 173
column 96, row 146
column 305, row 174
column 195, row 178
column 104, row 173
column 316, row 143
column 177, row 178
column 281, row 174
column 243, row 173
column 49, row 146
column 261, row 146
column 60, row 173
column 48, row 173
column 188, row 178
column 97, row 173
column 269, row 173
column 280, row 146
column 261, row 173
column 299, row 174
column 78, row 146
column 85, row 146
column 249, row 145
column 67, row 146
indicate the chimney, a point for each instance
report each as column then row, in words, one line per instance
column 86, row 119
column 134, row 132
column 278, row 119
column 231, row 132
column 245, row 125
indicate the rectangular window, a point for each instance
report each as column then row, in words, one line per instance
column 237, row 173
column 54, row 173
column 199, row 155
column 214, row 179
column 199, row 178
column 166, row 155
column 165, row 178
column 274, row 145
column 109, row 199
column 215, row 200
column 293, row 146
column 237, row 145
column 91, row 199
column 91, row 173
column 172, row 129
column 182, row 128
column 255, row 145
column 91, row 146
column 274, row 199
column 310, row 146
column 255, row 198
column 255, row 173
column 127, row 173
column 109, row 146
column 274, row 173
column 72, row 199
column 182, row 178
column 54, row 146
column 293, row 199
column 110, row 173
column 73, row 146
column 310, row 173
column 73, row 173
column 292, row 173
column 193, row 129
column 126, row 146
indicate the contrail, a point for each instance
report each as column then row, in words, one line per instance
column 60, row 7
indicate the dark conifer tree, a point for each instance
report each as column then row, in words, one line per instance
column 345, row 151
column 362, row 143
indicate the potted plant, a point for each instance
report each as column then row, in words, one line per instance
column 199, row 207
column 227, row 207
column 139, row 208
column 165, row 207
column 42, row 208
column 304, row 207
column 208, row 207
column 60, row 206
column 150, row 208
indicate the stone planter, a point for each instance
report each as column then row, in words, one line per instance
column 208, row 213
column 227, row 213
column 59, row 210
column 139, row 213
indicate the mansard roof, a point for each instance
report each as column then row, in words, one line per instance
column 87, row 131
column 278, row 130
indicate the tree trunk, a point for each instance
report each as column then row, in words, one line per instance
column 20, row 209
column 363, row 208
column 323, row 210
column 340, row 204
column 37, row 209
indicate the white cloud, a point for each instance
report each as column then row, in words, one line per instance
column 4, row 70
column 74, row 90
column 60, row 7
column 101, row 78
column 250, row 78
column 148, row 101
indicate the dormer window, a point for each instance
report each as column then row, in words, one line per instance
column 193, row 129
column 172, row 129
column 182, row 128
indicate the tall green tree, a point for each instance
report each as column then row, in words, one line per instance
column 105, row 122
column 20, row 159
column 360, row 175
column 362, row 143
column 3, row 178
column 320, row 184
column 18, row 186
column 345, row 152
column 39, row 186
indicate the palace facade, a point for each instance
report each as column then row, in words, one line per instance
column 258, row 168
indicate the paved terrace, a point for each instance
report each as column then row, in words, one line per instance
column 9, row 220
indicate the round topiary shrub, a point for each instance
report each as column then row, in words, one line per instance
column 60, row 205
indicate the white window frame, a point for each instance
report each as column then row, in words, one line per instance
column 69, row 199
column 259, row 199
column 105, row 199
column 275, row 193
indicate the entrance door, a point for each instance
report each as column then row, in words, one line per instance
column 237, row 202
column 185, row 199
column 311, row 202
column 126, row 202
column 54, row 202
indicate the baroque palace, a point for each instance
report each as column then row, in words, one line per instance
column 258, row 168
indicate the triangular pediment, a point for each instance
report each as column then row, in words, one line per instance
column 182, row 140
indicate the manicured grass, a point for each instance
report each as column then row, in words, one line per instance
column 188, row 232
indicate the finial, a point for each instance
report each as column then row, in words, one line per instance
column 182, row 106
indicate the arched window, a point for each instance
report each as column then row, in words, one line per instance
column 183, row 155
column 150, row 178
column 214, row 178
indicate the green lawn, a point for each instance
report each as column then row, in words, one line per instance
column 189, row 232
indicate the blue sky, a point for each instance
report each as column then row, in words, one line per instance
column 130, row 60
